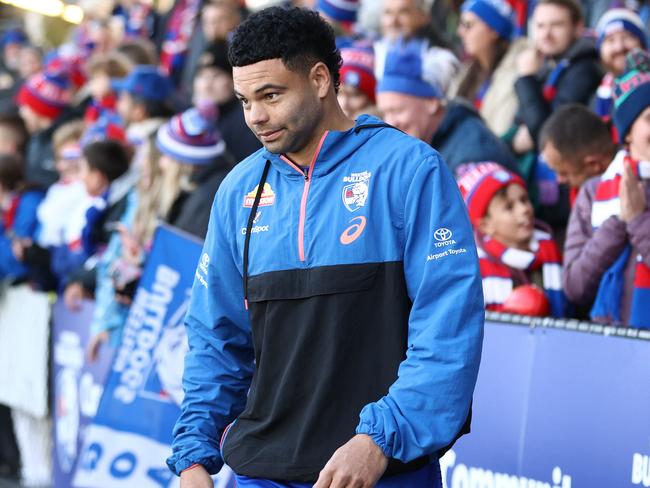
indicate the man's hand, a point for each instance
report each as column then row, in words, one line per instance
column 196, row 477
column 529, row 62
column 632, row 194
column 359, row 463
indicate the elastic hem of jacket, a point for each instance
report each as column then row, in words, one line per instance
column 377, row 437
column 211, row 465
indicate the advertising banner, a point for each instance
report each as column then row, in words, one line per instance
column 556, row 409
column 130, row 438
column 77, row 386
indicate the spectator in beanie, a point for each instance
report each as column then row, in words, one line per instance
column 486, row 28
column 358, row 84
column 514, row 250
column 195, row 156
column 619, row 31
column 213, row 84
column 607, row 248
column 341, row 15
column 42, row 101
column 411, row 99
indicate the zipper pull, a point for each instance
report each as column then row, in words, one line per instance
column 306, row 173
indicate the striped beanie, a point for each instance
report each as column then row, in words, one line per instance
column 632, row 91
column 480, row 183
column 497, row 14
column 358, row 69
column 340, row 10
column 106, row 128
column 192, row 137
column 621, row 19
column 47, row 94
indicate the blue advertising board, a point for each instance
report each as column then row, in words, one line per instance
column 556, row 408
column 77, row 386
column 131, row 435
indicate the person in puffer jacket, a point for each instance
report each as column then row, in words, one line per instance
column 336, row 318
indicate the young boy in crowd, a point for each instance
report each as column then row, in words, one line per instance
column 518, row 260
column 101, row 68
column 607, row 247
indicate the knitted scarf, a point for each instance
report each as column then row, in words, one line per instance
column 177, row 38
column 550, row 87
column 604, row 97
column 500, row 264
column 607, row 305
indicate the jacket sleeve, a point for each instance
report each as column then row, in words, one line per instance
column 577, row 85
column 588, row 254
column 25, row 226
column 639, row 231
column 428, row 404
column 219, row 364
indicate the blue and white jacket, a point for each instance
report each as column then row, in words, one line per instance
column 365, row 311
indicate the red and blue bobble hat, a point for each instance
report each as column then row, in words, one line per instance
column 192, row 137
column 358, row 69
column 48, row 94
column 339, row 10
column 106, row 128
column 632, row 91
column 480, row 183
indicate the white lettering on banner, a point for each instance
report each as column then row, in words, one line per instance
column 640, row 469
column 463, row 476
column 142, row 332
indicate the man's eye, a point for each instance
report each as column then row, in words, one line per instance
column 271, row 96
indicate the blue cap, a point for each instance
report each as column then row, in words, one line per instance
column 13, row 36
column 145, row 82
column 404, row 71
column 497, row 14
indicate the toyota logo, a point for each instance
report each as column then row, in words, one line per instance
column 442, row 234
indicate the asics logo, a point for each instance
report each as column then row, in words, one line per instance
column 352, row 233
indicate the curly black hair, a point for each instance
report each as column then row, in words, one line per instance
column 298, row 36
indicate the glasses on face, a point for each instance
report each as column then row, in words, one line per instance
column 466, row 24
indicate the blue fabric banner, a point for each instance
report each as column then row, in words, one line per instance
column 556, row 409
column 130, row 438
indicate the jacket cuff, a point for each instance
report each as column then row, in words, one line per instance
column 177, row 466
column 378, row 438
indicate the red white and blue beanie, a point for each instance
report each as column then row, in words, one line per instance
column 106, row 128
column 497, row 14
column 47, row 94
column 358, row 69
column 621, row 19
column 340, row 10
column 192, row 136
column 632, row 91
column 480, row 183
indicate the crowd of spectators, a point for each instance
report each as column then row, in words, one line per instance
column 541, row 109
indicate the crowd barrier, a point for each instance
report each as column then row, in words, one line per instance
column 558, row 404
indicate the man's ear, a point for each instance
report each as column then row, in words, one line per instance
column 433, row 105
column 596, row 164
column 320, row 77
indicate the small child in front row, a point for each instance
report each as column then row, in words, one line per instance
column 520, row 262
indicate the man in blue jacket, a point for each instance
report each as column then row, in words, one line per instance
column 336, row 318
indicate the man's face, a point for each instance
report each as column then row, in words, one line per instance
column 571, row 172
column 554, row 31
column 281, row 106
column 406, row 112
column 615, row 47
column 217, row 21
column 401, row 18
column 214, row 85
column 638, row 138
column 352, row 100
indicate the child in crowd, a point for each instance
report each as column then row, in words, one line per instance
column 18, row 223
column 513, row 251
column 358, row 84
column 100, row 69
column 608, row 239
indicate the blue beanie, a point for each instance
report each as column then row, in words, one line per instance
column 404, row 71
column 497, row 14
column 340, row 10
column 619, row 19
column 632, row 91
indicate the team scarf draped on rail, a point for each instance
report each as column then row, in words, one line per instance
column 607, row 203
column 500, row 264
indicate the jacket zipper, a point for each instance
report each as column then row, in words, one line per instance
column 307, row 174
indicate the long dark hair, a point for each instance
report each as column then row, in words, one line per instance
column 476, row 75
